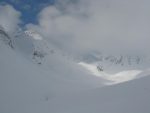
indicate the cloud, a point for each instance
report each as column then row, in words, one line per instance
column 9, row 18
column 97, row 25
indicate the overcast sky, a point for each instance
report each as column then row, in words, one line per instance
column 83, row 26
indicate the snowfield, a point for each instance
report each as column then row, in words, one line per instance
column 119, row 77
column 36, row 77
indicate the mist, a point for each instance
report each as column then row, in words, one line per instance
column 97, row 25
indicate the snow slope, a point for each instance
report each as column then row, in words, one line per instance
column 116, row 68
column 118, row 77
column 129, row 97
column 24, row 84
column 53, row 83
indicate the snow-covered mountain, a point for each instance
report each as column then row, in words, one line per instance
column 113, row 62
column 36, row 77
column 114, row 67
